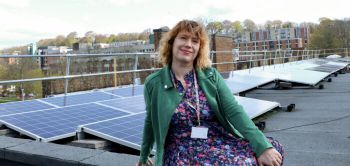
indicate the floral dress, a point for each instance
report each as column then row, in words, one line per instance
column 220, row 148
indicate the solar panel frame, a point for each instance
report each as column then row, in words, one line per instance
column 79, row 98
column 126, row 91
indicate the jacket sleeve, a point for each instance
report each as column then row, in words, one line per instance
column 148, row 137
column 236, row 116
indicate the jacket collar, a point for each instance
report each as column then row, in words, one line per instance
column 166, row 78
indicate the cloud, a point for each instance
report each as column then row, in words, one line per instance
column 117, row 3
column 20, row 27
column 15, row 3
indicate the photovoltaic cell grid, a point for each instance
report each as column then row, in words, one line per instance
column 21, row 107
column 323, row 69
column 330, row 67
column 127, row 91
column 133, row 104
column 126, row 130
column 79, row 98
column 49, row 125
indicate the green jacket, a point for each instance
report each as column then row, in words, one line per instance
column 162, row 98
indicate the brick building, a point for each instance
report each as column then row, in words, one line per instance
column 221, row 47
column 273, row 39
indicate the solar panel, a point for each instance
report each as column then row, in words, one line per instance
column 133, row 104
column 323, row 69
column 339, row 64
column 126, row 130
column 307, row 77
column 79, row 98
column 22, row 107
column 127, row 91
column 238, row 82
column 57, row 123
column 256, row 107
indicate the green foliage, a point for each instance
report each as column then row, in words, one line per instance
column 249, row 25
column 3, row 69
column 214, row 27
column 33, row 87
column 330, row 34
column 237, row 27
column 25, row 68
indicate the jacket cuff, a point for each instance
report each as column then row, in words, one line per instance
column 261, row 150
column 143, row 160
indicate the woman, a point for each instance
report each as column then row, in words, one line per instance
column 192, row 115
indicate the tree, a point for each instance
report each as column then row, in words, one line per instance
column 214, row 27
column 341, row 30
column 73, row 35
column 202, row 20
column 276, row 24
column 3, row 69
column 324, row 36
column 237, row 27
column 26, row 68
column 227, row 27
column 249, row 25
column 144, row 35
column 89, row 37
column 288, row 24
column 3, row 73
column 111, row 38
column 71, row 39
column 60, row 40
column 99, row 38
column 268, row 24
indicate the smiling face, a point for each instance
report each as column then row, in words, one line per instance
column 185, row 48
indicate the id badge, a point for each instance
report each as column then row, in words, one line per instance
column 199, row 132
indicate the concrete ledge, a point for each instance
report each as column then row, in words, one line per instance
column 38, row 153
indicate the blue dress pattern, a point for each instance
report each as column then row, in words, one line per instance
column 220, row 148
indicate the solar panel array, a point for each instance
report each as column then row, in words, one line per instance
column 117, row 114
column 305, row 72
column 128, row 130
column 59, row 122
column 58, row 117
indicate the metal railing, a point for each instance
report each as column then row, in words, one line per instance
column 250, row 57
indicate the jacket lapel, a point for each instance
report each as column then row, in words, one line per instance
column 208, row 87
column 169, row 99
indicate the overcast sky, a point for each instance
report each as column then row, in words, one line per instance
column 25, row 21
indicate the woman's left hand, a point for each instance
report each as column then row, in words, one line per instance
column 270, row 157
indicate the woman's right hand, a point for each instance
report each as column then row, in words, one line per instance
column 149, row 163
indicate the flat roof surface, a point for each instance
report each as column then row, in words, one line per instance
column 318, row 131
